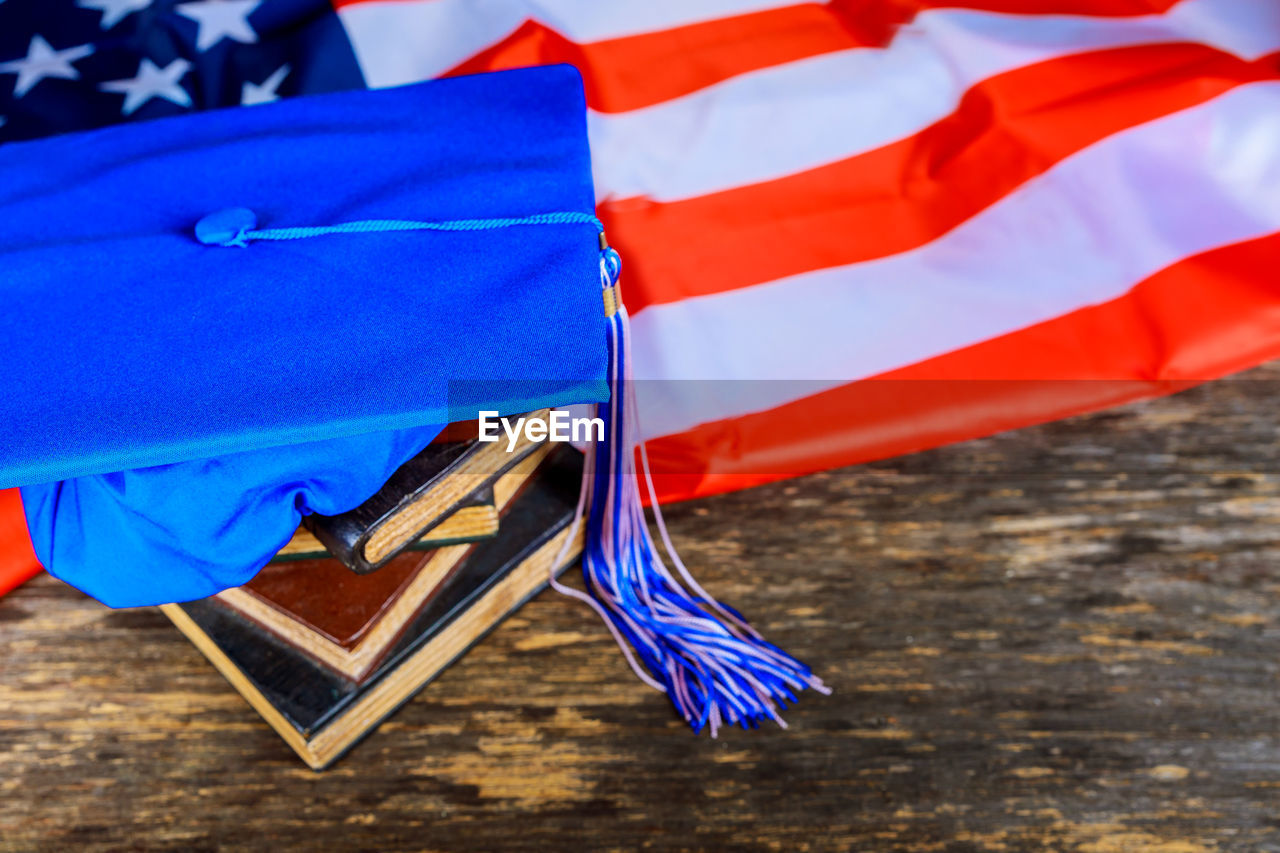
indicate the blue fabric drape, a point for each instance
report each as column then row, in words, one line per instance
column 190, row 529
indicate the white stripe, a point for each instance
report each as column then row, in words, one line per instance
column 789, row 118
column 403, row 41
column 1083, row 233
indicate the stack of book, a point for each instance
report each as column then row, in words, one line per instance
column 360, row 611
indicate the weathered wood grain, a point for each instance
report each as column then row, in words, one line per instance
column 1060, row 638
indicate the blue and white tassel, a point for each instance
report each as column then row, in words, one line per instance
column 715, row 667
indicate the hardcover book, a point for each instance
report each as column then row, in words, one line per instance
column 320, row 711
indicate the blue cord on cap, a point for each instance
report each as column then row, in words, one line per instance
column 237, row 226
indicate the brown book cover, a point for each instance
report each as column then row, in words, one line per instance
column 319, row 712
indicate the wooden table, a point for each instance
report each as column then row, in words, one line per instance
column 1063, row 637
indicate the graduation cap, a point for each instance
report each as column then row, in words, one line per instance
column 217, row 323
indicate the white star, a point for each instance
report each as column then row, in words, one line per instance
column 253, row 93
column 220, row 19
column 113, row 11
column 152, row 82
column 43, row 61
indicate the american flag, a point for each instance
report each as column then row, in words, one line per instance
column 850, row 229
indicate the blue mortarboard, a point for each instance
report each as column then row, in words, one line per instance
column 128, row 343
column 131, row 345
column 216, row 323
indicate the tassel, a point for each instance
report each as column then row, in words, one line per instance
column 715, row 668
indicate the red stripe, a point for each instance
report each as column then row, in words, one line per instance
column 1090, row 8
column 1006, row 131
column 17, row 560
column 637, row 71
column 1201, row 318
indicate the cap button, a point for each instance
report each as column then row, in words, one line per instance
column 226, row 227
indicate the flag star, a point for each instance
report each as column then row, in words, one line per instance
column 219, row 19
column 43, row 61
column 150, row 82
column 113, row 11
column 254, row 93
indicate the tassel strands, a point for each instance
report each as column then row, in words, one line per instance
column 715, row 668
